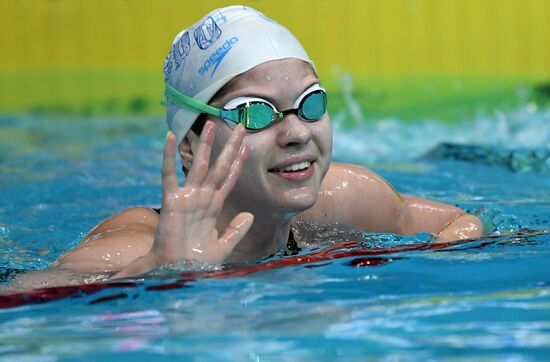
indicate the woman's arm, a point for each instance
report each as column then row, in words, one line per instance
column 447, row 222
column 354, row 196
column 106, row 249
column 138, row 240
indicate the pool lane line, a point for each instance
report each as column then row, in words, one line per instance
column 334, row 252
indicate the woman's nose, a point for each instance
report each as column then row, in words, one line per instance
column 292, row 131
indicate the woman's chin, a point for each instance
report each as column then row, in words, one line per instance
column 274, row 199
column 298, row 200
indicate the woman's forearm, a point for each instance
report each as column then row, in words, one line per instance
column 465, row 226
column 48, row 278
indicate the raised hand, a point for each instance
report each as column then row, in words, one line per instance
column 187, row 223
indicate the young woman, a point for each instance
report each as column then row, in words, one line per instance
column 248, row 118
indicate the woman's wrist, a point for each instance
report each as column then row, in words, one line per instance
column 138, row 267
column 181, row 266
column 148, row 266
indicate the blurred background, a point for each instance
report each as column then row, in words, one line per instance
column 409, row 59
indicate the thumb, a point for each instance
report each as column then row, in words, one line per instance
column 236, row 230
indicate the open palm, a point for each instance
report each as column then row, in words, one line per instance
column 187, row 223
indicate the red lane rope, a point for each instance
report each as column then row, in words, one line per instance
column 338, row 251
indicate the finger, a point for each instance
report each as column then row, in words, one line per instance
column 201, row 161
column 224, row 161
column 235, row 231
column 236, row 167
column 169, row 178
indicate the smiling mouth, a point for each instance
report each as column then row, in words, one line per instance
column 295, row 167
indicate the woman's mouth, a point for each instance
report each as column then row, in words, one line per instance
column 298, row 171
column 299, row 166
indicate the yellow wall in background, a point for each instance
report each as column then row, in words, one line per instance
column 93, row 57
column 360, row 36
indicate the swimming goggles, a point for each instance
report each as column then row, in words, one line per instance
column 255, row 113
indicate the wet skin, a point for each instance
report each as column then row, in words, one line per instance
column 237, row 205
column 272, row 196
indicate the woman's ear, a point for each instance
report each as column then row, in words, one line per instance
column 186, row 147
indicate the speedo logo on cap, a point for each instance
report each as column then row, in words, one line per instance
column 216, row 57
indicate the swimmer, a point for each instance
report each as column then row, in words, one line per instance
column 248, row 118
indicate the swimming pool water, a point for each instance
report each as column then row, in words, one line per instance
column 486, row 299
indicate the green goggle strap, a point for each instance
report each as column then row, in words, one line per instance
column 173, row 95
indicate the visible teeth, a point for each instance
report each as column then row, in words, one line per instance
column 296, row 166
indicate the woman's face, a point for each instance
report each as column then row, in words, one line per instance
column 264, row 186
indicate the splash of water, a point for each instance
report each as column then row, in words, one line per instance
column 391, row 139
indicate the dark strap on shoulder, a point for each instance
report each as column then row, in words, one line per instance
column 292, row 245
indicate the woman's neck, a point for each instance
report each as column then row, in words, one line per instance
column 267, row 236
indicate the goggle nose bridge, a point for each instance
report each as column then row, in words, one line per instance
column 279, row 115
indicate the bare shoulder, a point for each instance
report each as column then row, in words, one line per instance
column 134, row 217
column 356, row 197
column 114, row 242
column 350, row 173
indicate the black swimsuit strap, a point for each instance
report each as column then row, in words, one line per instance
column 291, row 244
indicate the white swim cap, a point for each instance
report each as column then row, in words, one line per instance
column 225, row 43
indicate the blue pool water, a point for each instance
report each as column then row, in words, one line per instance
column 487, row 299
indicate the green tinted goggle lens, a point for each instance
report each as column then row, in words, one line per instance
column 254, row 115
column 257, row 115
column 314, row 106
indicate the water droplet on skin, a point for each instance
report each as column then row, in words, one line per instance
column 284, row 76
column 342, row 186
